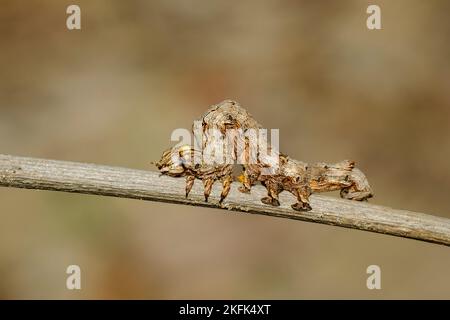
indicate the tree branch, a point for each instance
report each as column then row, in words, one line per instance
column 31, row 173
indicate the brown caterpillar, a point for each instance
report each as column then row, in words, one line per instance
column 178, row 162
column 291, row 175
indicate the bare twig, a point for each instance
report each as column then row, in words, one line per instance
column 31, row 173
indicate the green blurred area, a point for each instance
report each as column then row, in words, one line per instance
column 113, row 92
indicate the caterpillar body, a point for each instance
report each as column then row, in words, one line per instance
column 277, row 172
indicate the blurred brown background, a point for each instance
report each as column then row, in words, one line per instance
column 113, row 92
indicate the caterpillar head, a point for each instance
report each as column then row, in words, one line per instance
column 175, row 162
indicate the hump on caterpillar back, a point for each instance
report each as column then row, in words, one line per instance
column 228, row 113
column 347, row 165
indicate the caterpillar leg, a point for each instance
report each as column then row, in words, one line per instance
column 302, row 193
column 189, row 183
column 207, row 184
column 272, row 194
column 226, row 185
column 246, row 183
column 353, row 194
column 359, row 189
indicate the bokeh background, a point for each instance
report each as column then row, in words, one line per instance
column 113, row 92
